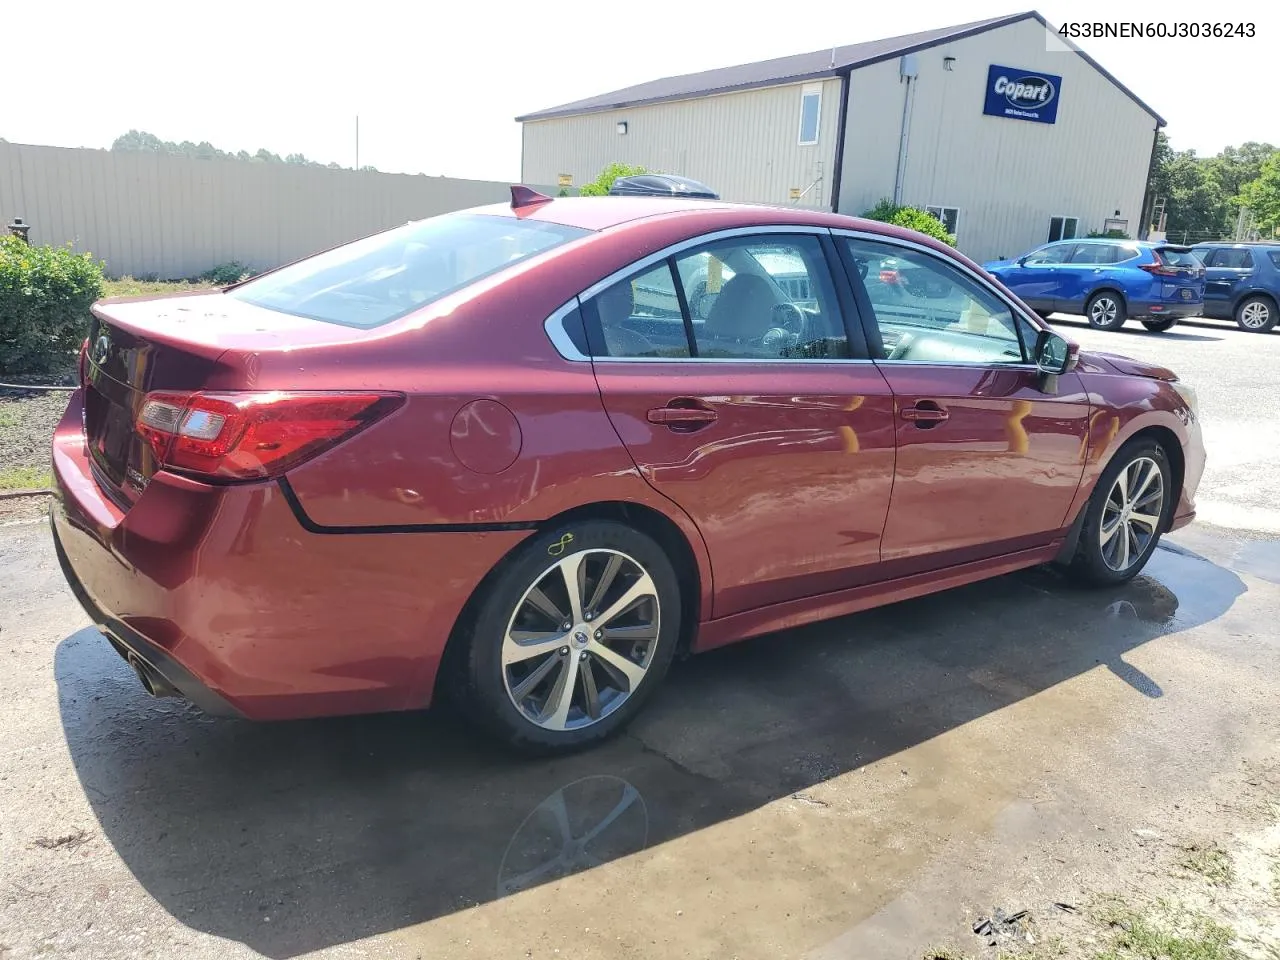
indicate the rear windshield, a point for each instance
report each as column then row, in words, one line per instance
column 383, row 277
column 1178, row 258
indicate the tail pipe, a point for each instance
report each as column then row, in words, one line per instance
column 152, row 681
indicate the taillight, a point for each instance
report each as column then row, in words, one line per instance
column 252, row 436
column 1159, row 268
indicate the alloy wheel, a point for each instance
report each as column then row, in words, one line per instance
column 1255, row 315
column 581, row 639
column 1131, row 514
column 1103, row 311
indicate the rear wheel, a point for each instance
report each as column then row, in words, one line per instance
column 1256, row 315
column 1159, row 326
column 1125, row 516
column 573, row 636
column 1105, row 311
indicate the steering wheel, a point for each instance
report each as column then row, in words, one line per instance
column 789, row 317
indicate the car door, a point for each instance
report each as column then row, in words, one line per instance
column 761, row 423
column 1036, row 277
column 1076, row 277
column 990, row 453
column 1225, row 278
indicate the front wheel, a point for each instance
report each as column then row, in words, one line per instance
column 1105, row 311
column 1256, row 315
column 1124, row 517
column 572, row 636
column 1159, row 326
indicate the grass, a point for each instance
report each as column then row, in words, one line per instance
column 25, row 478
column 129, row 287
column 7, row 419
column 1210, row 862
column 1177, row 935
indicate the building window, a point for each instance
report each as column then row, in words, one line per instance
column 810, row 112
column 1063, row 228
column 949, row 216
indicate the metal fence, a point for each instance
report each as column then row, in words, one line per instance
column 153, row 215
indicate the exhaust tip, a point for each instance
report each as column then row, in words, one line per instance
column 151, row 680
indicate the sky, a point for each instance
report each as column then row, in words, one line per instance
column 437, row 85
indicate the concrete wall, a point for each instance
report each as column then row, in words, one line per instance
column 743, row 145
column 177, row 217
column 1007, row 177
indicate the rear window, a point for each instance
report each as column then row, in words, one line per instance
column 1237, row 258
column 1275, row 257
column 1178, row 258
column 381, row 278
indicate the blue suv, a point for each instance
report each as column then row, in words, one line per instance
column 1109, row 281
column 1242, row 283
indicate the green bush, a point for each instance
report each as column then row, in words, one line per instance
column 225, row 273
column 600, row 186
column 1107, row 235
column 45, row 295
column 912, row 218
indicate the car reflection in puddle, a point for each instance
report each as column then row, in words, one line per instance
column 584, row 824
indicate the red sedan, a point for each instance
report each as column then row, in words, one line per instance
column 527, row 454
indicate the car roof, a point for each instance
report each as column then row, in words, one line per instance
column 603, row 213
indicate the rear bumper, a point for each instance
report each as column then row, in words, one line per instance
column 126, row 640
column 223, row 592
column 1162, row 309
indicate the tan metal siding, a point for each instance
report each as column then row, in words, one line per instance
column 147, row 214
column 744, row 145
column 1007, row 177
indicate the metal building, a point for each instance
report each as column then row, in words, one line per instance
column 1010, row 134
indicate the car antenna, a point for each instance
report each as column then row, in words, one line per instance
column 522, row 196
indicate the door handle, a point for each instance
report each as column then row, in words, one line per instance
column 683, row 414
column 925, row 414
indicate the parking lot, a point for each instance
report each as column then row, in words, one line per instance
column 860, row 788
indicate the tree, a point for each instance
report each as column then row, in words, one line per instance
column 913, row 218
column 1262, row 195
column 1236, row 166
column 601, row 185
column 1198, row 208
column 141, row 141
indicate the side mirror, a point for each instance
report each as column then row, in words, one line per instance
column 1054, row 354
column 1022, row 261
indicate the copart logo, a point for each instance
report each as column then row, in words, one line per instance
column 1026, row 92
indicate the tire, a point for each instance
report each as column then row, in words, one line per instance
column 1099, row 564
column 1044, row 314
column 1256, row 314
column 501, row 689
column 1106, row 310
column 1159, row 326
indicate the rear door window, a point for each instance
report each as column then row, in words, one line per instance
column 1235, row 258
column 1205, row 255
column 381, row 278
column 1053, row 253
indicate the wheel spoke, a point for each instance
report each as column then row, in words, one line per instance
column 1147, row 472
column 1108, row 533
column 572, row 570
column 641, row 588
column 637, row 634
column 1148, row 520
column 592, row 695
column 1123, row 560
column 524, row 645
column 607, row 577
column 631, row 671
column 556, row 714
column 535, row 677
column 542, row 603
column 1122, row 484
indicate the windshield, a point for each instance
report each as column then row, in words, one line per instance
column 383, row 277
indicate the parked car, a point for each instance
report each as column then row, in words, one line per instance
column 456, row 459
column 1109, row 281
column 1242, row 283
